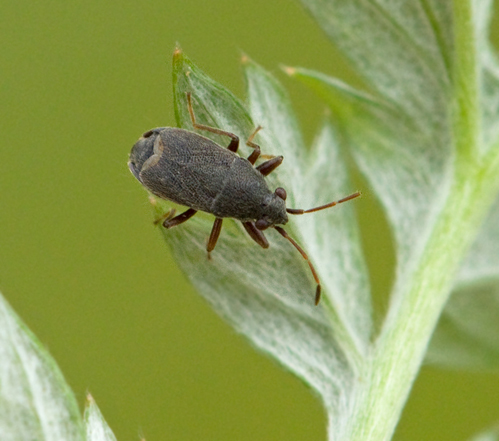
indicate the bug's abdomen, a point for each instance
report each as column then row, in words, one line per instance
column 243, row 193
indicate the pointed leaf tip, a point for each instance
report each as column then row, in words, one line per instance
column 289, row 70
column 96, row 426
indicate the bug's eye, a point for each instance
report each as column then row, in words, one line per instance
column 147, row 134
column 281, row 193
column 261, row 224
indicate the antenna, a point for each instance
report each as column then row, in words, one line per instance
column 323, row 207
column 283, row 233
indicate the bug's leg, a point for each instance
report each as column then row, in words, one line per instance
column 269, row 166
column 256, row 234
column 323, row 207
column 256, row 152
column 180, row 219
column 234, row 143
column 215, row 233
column 283, row 233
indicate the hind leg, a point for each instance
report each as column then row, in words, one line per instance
column 171, row 221
column 215, row 233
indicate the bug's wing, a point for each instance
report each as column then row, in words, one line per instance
column 191, row 170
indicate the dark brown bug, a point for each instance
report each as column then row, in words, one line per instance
column 191, row 170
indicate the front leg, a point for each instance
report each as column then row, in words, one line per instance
column 256, row 234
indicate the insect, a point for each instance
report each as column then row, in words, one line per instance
column 191, row 170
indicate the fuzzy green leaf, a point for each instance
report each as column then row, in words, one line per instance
column 35, row 401
column 268, row 295
column 404, row 159
column 347, row 277
column 402, row 50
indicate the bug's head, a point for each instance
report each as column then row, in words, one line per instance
column 273, row 210
column 142, row 151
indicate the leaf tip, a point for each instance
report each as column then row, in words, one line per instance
column 90, row 399
column 178, row 50
column 291, row 71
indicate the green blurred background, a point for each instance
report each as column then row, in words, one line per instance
column 83, row 265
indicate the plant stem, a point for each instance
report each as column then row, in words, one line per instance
column 402, row 343
column 465, row 79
